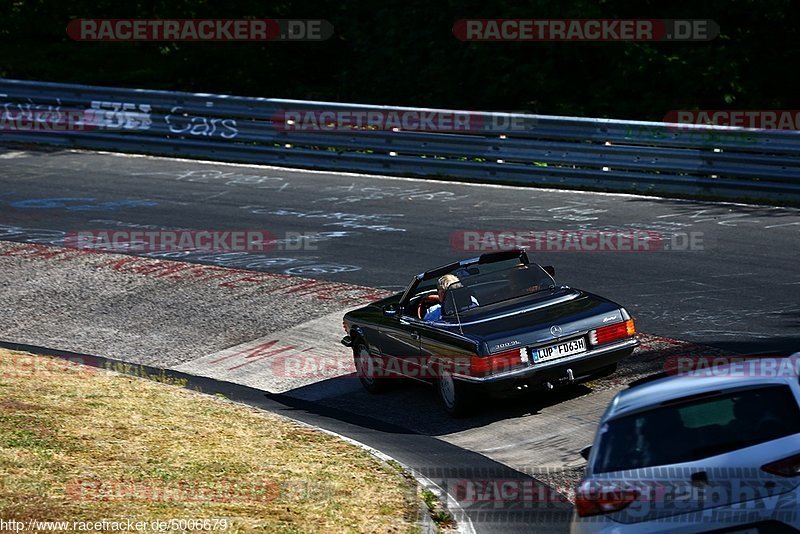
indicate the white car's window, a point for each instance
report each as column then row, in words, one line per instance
column 693, row 429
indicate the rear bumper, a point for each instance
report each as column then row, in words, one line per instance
column 774, row 515
column 556, row 372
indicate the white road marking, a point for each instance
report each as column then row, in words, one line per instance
column 215, row 195
column 14, row 154
column 424, row 180
column 306, row 359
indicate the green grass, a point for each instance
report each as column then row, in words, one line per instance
column 78, row 443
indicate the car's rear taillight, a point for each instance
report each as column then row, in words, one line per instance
column 596, row 499
column 787, row 467
column 612, row 332
column 496, row 363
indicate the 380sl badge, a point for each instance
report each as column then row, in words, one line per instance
column 506, row 344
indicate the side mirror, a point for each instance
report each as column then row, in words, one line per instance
column 549, row 269
column 585, row 452
column 390, row 310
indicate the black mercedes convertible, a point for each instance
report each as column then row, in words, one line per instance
column 496, row 324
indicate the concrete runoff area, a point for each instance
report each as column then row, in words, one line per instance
column 158, row 313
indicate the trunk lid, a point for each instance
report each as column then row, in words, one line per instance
column 535, row 319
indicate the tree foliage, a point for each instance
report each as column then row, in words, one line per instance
column 404, row 53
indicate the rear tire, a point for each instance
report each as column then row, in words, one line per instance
column 455, row 398
column 366, row 369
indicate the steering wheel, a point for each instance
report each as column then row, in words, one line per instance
column 426, row 302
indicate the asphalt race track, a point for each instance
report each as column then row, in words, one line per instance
column 739, row 292
column 735, row 290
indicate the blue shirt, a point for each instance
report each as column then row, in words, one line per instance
column 434, row 313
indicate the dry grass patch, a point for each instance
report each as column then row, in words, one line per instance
column 78, row 443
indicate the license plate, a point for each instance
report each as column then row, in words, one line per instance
column 560, row 350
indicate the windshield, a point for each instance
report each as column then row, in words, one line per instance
column 697, row 429
column 485, row 284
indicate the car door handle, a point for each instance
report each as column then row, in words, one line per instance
column 415, row 335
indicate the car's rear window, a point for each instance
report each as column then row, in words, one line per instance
column 697, row 428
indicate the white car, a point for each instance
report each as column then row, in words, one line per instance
column 713, row 450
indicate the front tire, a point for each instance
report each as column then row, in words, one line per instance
column 453, row 395
column 366, row 369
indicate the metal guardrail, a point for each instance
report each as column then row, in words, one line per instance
column 598, row 154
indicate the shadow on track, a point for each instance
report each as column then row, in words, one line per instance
column 415, row 407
